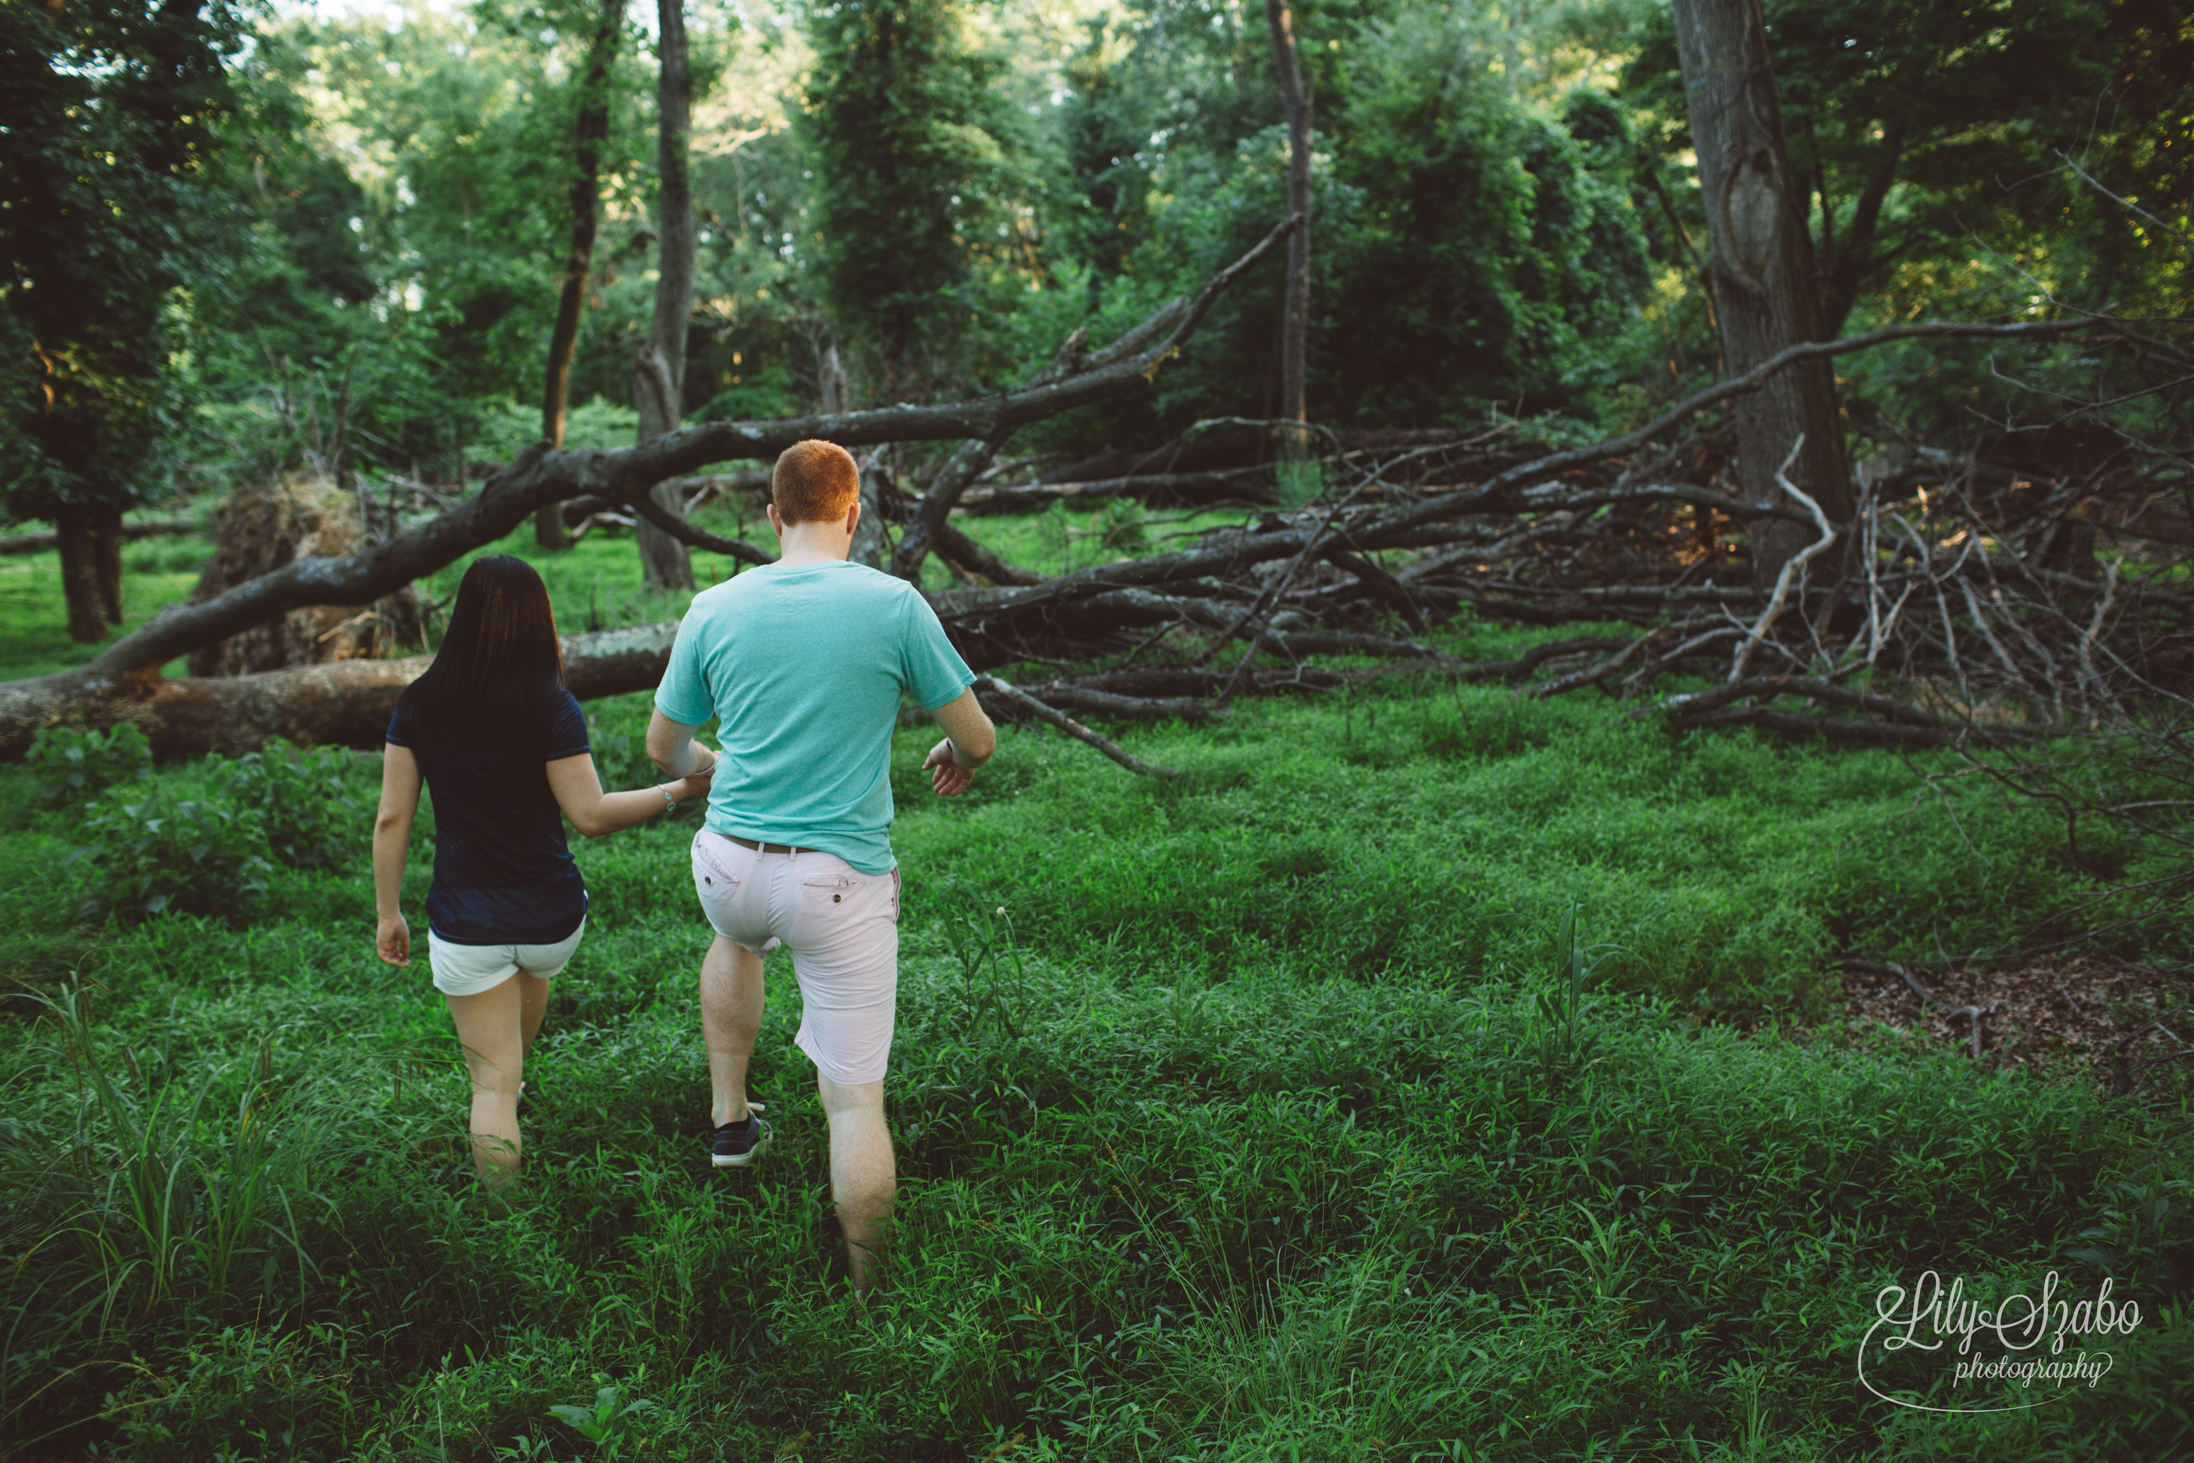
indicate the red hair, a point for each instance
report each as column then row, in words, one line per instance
column 814, row 482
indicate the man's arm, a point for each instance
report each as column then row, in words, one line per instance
column 672, row 748
column 969, row 741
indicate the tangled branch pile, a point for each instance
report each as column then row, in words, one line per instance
column 2032, row 587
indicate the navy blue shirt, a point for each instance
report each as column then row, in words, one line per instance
column 503, row 874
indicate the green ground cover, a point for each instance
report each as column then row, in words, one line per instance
column 35, row 638
column 1265, row 1123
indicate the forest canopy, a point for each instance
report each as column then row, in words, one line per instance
column 921, row 199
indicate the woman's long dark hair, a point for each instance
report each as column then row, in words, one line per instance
column 501, row 668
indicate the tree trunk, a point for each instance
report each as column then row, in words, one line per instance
column 872, row 538
column 1849, row 265
column 37, row 543
column 1295, row 298
column 591, row 129
column 106, row 552
column 74, row 535
column 1762, row 262
column 341, row 703
column 659, row 372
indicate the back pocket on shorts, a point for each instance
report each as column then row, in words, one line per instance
column 829, row 891
column 710, row 874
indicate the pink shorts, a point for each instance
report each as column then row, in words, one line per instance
column 842, row 927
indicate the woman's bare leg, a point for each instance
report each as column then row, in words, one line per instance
column 495, row 1027
column 533, row 994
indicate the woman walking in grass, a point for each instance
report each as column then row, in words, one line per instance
column 503, row 746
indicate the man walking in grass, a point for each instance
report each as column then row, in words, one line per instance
column 804, row 662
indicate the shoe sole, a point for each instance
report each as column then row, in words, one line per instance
column 740, row 1160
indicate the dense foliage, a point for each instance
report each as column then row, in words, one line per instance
column 1505, row 217
column 113, row 117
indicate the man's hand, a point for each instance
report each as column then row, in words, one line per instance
column 392, row 942
column 946, row 775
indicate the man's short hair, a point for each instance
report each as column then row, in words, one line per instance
column 814, row 482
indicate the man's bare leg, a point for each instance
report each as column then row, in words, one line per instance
column 863, row 1177
column 731, row 1019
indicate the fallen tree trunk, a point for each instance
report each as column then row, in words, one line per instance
column 340, row 703
column 624, row 475
column 38, row 543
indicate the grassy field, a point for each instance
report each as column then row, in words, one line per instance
column 1427, row 1074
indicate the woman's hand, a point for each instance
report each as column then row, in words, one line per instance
column 696, row 785
column 392, row 942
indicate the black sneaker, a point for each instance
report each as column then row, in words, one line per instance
column 736, row 1144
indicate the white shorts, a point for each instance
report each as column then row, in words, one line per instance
column 467, row 970
column 842, row 927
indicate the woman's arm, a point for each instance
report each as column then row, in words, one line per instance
column 578, row 790
column 391, row 842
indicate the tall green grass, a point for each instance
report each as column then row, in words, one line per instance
column 1349, row 1098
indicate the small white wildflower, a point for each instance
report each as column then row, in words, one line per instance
column 1001, row 909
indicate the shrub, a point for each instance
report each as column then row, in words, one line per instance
column 73, row 765
column 152, row 852
column 304, row 801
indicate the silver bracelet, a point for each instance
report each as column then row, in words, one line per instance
column 664, row 789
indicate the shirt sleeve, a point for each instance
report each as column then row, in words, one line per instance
column 399, row 732
column 684, row 696
column 928, row 665
column 567, row 731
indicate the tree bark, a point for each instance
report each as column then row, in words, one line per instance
column 72, row 528
column 590, row 130
column 1295, row 297
column 659, row 372
column 106, row 557
column 1762, row 261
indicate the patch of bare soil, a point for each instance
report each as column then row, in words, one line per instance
column 2120, row 1025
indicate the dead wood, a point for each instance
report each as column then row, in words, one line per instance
column 339, row 703
column 1020, row 700
column 259, row 530
column 39, row 543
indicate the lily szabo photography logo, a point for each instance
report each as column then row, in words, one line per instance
column 2018, row 1353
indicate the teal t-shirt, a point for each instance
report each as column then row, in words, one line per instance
column 805, row 667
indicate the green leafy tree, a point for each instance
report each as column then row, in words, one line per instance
column 409, row 191
column 1471, row 251
column 111, row 111
column 917, row 170
column 1916, row 130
